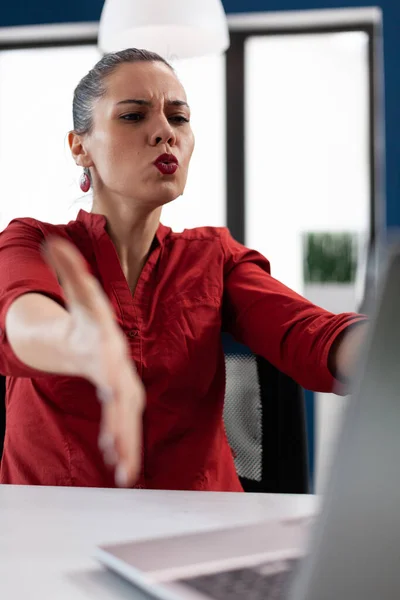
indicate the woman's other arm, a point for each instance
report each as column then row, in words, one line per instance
column 346, row 350
column 316, row 348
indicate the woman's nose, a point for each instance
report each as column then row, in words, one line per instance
column 163, row 133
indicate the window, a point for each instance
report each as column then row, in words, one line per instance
column 38, row 176
column 307, row 123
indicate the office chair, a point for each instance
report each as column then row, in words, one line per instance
column 265, row 423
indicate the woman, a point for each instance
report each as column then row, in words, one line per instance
column 115, row 306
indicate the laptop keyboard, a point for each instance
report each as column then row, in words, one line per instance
column 269, row 581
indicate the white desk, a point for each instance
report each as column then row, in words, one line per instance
column 47, row 535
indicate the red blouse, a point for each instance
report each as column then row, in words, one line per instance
column 193, row 285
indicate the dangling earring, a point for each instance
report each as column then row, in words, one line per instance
column 84, row 182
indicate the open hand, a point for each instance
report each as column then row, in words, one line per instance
column 98, row 351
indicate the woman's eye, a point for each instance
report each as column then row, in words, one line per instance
column 180, row 119
column 132, row 117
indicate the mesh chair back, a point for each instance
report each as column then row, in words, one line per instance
column 264, row 417
column 243, row 414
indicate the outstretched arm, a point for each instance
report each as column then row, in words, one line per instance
column 346, row 350
column 315, row 347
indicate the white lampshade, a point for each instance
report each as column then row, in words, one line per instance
column 174, row 29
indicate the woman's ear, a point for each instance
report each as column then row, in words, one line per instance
column 79, row 153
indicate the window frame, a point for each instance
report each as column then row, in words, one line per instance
column 368, row 21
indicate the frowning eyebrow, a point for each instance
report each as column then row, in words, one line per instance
column 148, row 103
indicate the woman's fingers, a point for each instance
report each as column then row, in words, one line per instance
column 121, row 430
column 109, row 428
column 80, row 286
column 129, row 439
column 67, row 262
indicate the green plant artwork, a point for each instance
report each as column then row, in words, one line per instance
column 330, row 257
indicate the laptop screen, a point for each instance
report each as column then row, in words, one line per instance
column 356, row 546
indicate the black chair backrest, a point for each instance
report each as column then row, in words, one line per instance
column 265, row 422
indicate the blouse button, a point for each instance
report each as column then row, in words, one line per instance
column 133, row 333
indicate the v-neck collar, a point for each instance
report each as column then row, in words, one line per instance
column 96, row 224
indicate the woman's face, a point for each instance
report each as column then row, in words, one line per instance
column 142, row 116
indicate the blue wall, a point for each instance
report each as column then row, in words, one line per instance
column 21, row 12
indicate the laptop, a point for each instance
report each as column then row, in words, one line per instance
column 351, row 550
